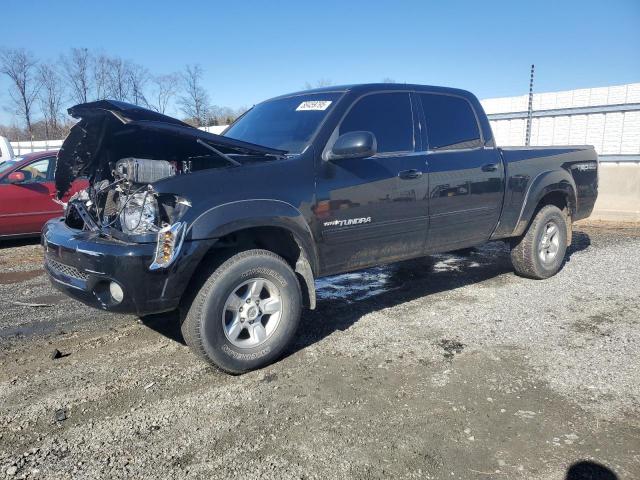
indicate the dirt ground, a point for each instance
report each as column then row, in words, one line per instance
column 449, row 367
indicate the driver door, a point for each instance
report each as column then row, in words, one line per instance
column 26, row 206
column 374, row 210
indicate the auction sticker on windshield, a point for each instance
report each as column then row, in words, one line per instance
column 314, row 105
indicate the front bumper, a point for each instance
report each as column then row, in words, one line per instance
column 83, row 264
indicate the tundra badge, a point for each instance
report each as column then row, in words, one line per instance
column 348, row 221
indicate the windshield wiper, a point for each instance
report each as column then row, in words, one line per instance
column 233, row 162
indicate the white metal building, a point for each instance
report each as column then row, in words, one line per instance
column 606, row 117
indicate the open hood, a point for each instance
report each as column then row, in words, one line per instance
column 109, row 130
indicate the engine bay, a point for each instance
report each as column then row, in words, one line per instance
column 128, row 201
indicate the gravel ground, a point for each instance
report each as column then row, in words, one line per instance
column 448, row 367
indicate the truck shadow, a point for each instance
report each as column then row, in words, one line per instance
column 19, row 242
column 580, row 241
column 344, row 299
column 166, row 324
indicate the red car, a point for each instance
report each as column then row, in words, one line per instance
column 27, row 191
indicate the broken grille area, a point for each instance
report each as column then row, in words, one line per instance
column 67, row 270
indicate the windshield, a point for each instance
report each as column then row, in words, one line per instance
column 286, row 123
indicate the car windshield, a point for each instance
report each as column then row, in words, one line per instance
column 285, row 123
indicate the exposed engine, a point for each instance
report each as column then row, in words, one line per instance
column 128, row 202
column 140, row 170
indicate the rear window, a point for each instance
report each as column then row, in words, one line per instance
column 451, row 123
column 387, row 116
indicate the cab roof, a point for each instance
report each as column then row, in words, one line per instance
column 364, row 88
column 374, row 87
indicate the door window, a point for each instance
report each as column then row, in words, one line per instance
column 36, row 172
column 386, row 115
column 451, row 122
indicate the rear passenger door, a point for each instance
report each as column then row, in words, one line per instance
column 465, row 176
column 372, row 210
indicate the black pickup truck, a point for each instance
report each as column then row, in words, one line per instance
column 234, row 228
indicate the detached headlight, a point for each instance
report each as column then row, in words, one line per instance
column 171, row 235
column 169, row 243
column 139, row 214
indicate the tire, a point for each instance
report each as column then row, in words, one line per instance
column 228, row 321
column 531, row 257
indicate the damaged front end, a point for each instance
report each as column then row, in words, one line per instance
column 132, row 211
column 123, row 150
column 127, row 207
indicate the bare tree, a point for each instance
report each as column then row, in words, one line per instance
column 388, row 80
column 51, row 96
column 164, row 89
column 77, row 71
column 100, row 73
column 82, row 75
column 138, row 77
column 13, row 132
column 20, row 66
column 224, row 115
column 118, row 77
column 194, row 103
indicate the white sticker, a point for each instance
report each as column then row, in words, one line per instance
column 313, row 105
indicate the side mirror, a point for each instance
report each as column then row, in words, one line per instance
column 16, row 177
column 354, row 145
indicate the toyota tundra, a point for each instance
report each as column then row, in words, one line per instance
column 233, row 229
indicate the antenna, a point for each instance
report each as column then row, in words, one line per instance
column 527, row 139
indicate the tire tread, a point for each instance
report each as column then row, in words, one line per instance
column 191, row 327
column 523, row 250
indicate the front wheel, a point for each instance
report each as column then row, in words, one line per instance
column 246, row 313
column 539, row 253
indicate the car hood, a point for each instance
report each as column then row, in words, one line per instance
column 108, row 130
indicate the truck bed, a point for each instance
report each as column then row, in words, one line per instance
column 528, row 167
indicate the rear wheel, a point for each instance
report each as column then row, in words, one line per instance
column 246, row 312
column 539, row 253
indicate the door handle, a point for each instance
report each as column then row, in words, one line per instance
column 490, row 167
column 409, row 174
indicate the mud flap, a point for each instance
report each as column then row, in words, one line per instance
column 303, row 268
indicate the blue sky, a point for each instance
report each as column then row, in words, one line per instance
column 254, row 50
